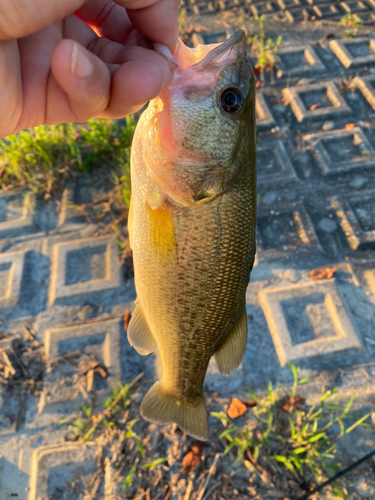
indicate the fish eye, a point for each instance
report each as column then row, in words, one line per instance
column 231, row 100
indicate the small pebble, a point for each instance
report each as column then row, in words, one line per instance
column 327, row 225
column 358, row 182
column 269, row 197
column 328, row 126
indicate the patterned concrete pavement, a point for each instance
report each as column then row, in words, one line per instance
column 316, row 185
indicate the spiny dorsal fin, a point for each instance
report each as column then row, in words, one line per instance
column 139, row 334
column 229, row 356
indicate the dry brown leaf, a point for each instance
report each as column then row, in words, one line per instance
column 259, row 83
column 126, row 319
column 314, row 106
column 193, row 457
column 290, row 402
column 349, row 126
column 322, row 273
column 236, row 409
column 251, row 403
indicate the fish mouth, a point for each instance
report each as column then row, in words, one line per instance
column 231, row 49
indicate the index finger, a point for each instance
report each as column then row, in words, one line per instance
column 156, row 20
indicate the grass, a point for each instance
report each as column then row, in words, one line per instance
column 300, row 437
column 265, row 49
column 113, row 415
column 351, row 21
column 287, row 441
column 40, row 159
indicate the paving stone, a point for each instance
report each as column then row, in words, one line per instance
column 326, row 10
column 16, row 211
column 342, row 150
column 11, row 270
column 317, row 101
column 83, row 267
column 264, row 118
column 296, row 61
column 98, row 338
column 273, row 163
column 356, row 215
column 354, row 6
column 323, row 325
column 367, row 86
column 63, row 469
column 354, row 52
column 263, row 8
column 286, row 229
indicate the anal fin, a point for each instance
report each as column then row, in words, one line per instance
column 229, row 356
column 139, row 334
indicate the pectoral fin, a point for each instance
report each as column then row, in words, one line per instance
column 139, row 334
column 229, row 356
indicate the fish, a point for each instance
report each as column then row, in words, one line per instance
column 192, row 227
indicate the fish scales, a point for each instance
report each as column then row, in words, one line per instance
column 192, row 260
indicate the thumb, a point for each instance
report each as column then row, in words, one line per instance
column 20, row 18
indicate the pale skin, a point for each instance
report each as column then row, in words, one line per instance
column 71, row 60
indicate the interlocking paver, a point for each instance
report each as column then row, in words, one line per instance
column 356, row 214
column 297, row 61
column 354, row 53
column 367, row 86
column 323, row 326
column 264, row 118
column 83, row 267
column 342, row 150
column 317, row 101
column 273, row 163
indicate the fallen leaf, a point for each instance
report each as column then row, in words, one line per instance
column 290, row 402
column 256, row 70
column 322, row 273
column 251, row 403
column 236, row 409
column 259, row 83
column 349, row 126
column 126, row 318
column 329, row 36
column 193, row 457
column 314, row 106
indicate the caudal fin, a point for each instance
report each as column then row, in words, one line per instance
column 161, row 408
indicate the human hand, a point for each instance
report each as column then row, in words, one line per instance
column 71, row 60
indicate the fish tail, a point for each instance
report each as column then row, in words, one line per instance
column 161, row 408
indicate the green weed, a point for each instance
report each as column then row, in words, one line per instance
column 40, row 159
column 298, row 436
column 350, row 20
column 264, row 48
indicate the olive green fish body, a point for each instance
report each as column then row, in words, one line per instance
column 192, row 260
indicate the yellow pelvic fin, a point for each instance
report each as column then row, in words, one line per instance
column 161, row 232
column 229, row 356
column 139, row 334
column 161, row 408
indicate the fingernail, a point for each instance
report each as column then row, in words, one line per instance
column 81, row 66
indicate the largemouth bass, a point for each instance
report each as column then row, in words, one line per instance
column 192, row 228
